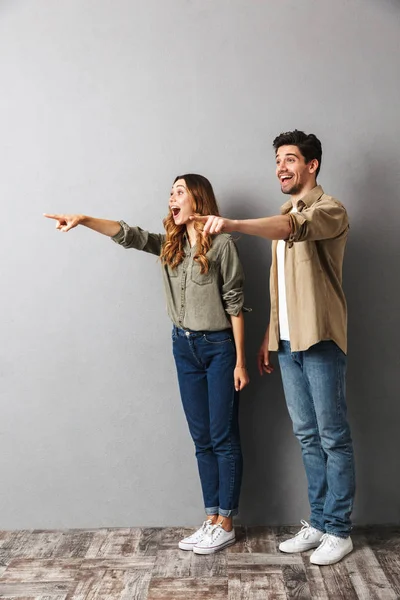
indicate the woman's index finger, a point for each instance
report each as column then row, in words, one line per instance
column 51, row 216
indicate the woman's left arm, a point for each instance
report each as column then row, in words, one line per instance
column 232, row 298
column 240, row 373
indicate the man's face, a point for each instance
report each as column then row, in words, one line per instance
column 292, row 170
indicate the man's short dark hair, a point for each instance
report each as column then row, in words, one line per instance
column 308, row 144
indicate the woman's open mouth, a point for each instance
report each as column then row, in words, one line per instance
column 175, row 211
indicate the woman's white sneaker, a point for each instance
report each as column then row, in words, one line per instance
column 216, row 539
column 188, row 543
column 331, row 550
column 308, row 537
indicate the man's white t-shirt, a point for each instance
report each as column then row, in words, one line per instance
column 282, row 304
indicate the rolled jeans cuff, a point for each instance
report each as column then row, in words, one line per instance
column 212, row 511
column 215, row 510
column 340, row 535
column 228, row 513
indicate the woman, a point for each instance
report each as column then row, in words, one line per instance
column 203, row 282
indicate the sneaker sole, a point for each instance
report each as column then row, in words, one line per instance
column 211, row 550
column 298, row 550
column 183, row 546
column 323, row 563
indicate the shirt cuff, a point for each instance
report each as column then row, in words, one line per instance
column 119, row 237
column 296, row 225
column 233, row 302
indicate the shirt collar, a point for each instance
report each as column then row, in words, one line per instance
column 313, row 196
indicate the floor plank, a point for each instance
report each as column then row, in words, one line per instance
column 34, row 589
column 119, row 543
column 315, row 579
column 259, row 587
column 169, row 588
column 87, row 584
column 296, row 583
column 45, row 570
column 338, row 582
column 249, row 563
column 173, row 563
column 209, row 565
column 149, row 541
column 74, row 544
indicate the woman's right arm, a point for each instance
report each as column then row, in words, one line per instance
column 119, row 231
column 104, row 226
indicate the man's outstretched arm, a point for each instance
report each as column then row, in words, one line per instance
column 272, row 228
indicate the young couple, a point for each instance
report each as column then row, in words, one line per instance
column 203, row 282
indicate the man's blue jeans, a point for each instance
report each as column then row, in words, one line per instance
column 205, row 362
column 314, row 385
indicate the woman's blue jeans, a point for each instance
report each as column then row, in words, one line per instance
column 205, row 362
column 314, row 385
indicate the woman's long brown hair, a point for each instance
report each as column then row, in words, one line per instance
column 204, row 203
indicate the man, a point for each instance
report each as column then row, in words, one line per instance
column 308, row 328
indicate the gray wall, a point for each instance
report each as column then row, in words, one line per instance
column 102, row 103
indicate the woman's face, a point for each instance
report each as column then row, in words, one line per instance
column 181, row 203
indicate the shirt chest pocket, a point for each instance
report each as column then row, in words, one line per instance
column 304, row 251
column 202, row 278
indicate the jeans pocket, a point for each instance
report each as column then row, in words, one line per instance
column 218, row 337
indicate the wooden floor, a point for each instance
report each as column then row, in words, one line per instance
column 145, row 564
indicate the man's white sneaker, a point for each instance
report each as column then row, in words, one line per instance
column 331, row 550
column 188, row 543
column 216, row 539
column 308, row 537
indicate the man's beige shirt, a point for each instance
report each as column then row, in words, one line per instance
column 314, row 253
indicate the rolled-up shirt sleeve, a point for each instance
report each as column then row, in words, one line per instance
column 232, row 279
column 323, row 220
column 137, row 238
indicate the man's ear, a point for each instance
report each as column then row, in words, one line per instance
column 313, row 165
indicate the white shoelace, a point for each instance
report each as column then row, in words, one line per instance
column 206, row 526
column 215, row 531
column 329, row 540
column 203, row 530
column 304, row 531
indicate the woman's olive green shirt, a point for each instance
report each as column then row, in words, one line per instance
column 195, row 301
